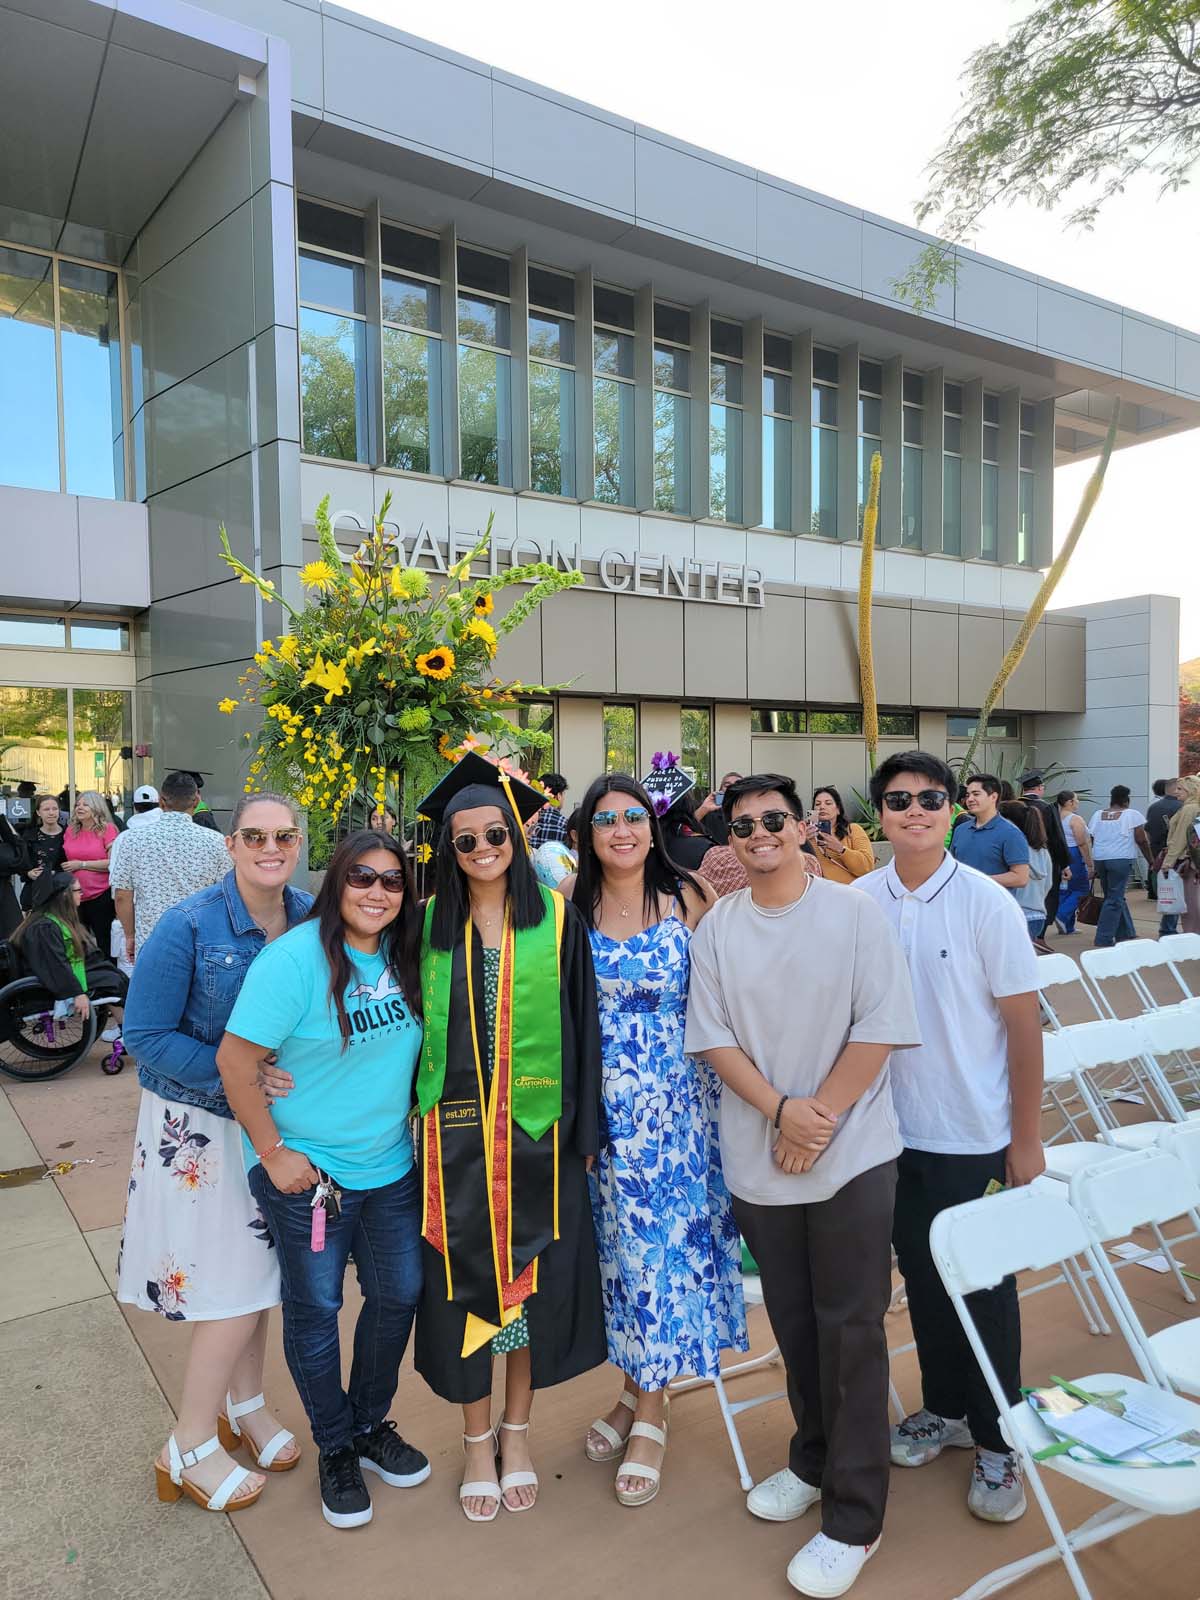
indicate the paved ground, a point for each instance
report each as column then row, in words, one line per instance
column 86, row 1400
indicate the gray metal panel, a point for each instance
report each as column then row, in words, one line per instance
column 44, row 115
column 296, row 21
column 451, row 432
column 1026, row 689
column 277, row 385
column 972, row 469
column 649, row 645
column 585, row 351
column 996, row 301
column 891, row 478
column 847, row 505
column 376, row 452
column 714, row 652
column 891, row 638
column 932, row 477
column 643, row 397
column 802, row 432
column 817, row 240
column 887, row 254
column 185, row 552
column 519, row 366
column 556, row 147
column 1082, row 329
column 1043, row 484
column 273, row 220
column 35, row 521
column 579, row 640
column 1148, row 351
column 114, row 553
column 1006, row 531
column 702, row 199
column 933, row 657
column 980, row 652
column 520, row 652
column 775, row 650
column 218, row 180
column 1187, row 364
column 199, row 424
column 700, row 494
column 200, row 305
column 831, row 652
column 752, row 422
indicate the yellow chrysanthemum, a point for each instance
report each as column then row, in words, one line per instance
column 289, row 648
column 483, row 605
column 228, row 706
column 436, row 663
column 318, row 575
column 477, row 628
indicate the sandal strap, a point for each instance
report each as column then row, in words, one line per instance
column 647, row 1430
column 227, row 1487
column 276, row 1443
column 241, row 1408
column 637, row 1470
column 515, row 1427
column 518, row 1480
column 627, row 1400
column 480, row 1490
column 478, row 1438
column 179, row 1459
column 608, row 1433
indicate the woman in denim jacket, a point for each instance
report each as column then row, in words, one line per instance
column 195, row 1248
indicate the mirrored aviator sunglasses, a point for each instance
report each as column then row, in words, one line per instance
column 259, row 838
column 927, row 799
column 635, row 817
column 362, row 877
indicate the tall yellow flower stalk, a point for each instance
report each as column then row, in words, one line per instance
column 866, row 579
column 1041, row 600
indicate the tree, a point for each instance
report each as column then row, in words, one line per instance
column 1082, row 95
column 1189, row 735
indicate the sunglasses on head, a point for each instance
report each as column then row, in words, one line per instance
column 362, row 877
column 927, row 799
column 464, row 843
column 259, row 838
column 634, row 817
column 772, row 821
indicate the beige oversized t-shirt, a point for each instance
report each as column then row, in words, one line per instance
column 791, row 991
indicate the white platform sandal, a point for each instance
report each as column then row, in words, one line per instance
column 517, row 1480
column 172, row 1485
column 481, row 1489
column 232, row 1437
column 641, row 1497
column 606, row 1431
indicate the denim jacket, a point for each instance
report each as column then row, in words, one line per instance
column 186, row 979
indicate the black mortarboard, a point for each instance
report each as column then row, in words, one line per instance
column 666, row 782
column 48, row 884
column 472, row 782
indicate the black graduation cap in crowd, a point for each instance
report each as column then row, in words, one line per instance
column 49, row 884
column 473, row 782
column 666, row 782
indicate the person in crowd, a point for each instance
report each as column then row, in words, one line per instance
column 509, row 1096
column 146, row 808
column 14, row 860
column 160, row 862
column 809, row 1145
column 991, row 843
column 550, row 824
column 709, row 813
column 558, row 858
column 45, row 843
column 969, row 1105
column 1182, row 850
column 1118, row 834
column 842, row 846
column 62, row 955
column 1167, row 801
column 196, row 1247
column 382, row 820
column 1078, row 880
column 1031, row 896
column 1033, row 793
column 337, row 1003
column 670, row 1261
column 202, row 816
column 87, row 847
column 685, row 837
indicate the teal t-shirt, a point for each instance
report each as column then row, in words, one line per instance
column 349, row 1109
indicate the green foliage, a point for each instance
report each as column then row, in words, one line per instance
column 1011, row 768
column 868, row 816
column 1080, row 97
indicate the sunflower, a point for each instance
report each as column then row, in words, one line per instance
column 436, row 663
column 483, row 605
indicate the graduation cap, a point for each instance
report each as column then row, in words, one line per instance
column 48, row 884
column 474, row 782
column 666, row 781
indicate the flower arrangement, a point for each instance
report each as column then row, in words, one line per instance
column 382, row 674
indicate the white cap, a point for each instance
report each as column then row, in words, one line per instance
column 147, row 792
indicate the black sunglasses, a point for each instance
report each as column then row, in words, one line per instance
column 464, row 843
column 772, row 821
column 927, row 799
column 362, row 877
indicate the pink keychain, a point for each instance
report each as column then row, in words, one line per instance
column 317, row 1239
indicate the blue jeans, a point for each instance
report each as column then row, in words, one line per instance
column 1077, row 886
column 1115, row 924
column 383, row 1229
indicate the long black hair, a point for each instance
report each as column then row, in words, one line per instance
column 452, row 902
column 399, row 942
column 660, row 874
column 841, row 826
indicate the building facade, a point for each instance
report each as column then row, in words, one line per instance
column 293, row 254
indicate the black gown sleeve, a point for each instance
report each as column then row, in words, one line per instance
column 580, row 1014
column 42, row 949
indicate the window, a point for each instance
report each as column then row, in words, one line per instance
column 484, row 388
column 333, row 329
column 99, row 635
column 672, row 408
column 412, row 351
column 912, row 462
column 870, row 430
column 46, row 633
column 725, row 422
column 60, row 361
column 613, row 396
column 696, row 737
column 823, row 515
column 952, row 403
column 898, row 724
column 620, row 739
column 777, row 719
column 989, row 527
column 835, row 722
column 551, row 382
column 33, row 736
column 42, row 729
column 1025, row 487
column 999, row 727
column 539, row 715
column 777, row 433
column 103, row 728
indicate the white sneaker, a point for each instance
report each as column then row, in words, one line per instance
column 110, row 1035
column 826, row 1566
column 781, row 1497
column 923, row 1436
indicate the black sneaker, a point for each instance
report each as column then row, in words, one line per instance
column 345, row 1502
column 385, row 1452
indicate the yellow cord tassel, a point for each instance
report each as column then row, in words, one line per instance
column 866, row 578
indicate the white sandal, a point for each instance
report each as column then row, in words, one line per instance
column 641, row 1497
column 517, row 1480
column 232, row 1437
column 481, row 1489
column 172, row 1485
column 606, row 1431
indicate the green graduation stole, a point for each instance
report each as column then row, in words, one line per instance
column 74, row 959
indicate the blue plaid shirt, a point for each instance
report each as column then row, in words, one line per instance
column 549, row 828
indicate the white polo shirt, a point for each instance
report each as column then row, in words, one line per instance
column 967, row 945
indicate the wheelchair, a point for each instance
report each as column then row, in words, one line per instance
column 34, row 1043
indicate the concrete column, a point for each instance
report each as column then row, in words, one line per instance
column 700, row 373
column 934, row 435
column 752, row 422
column 579, row 740
column 1043, row 485
column 802, row 433
column 451, row 436
column 643, row 398
column 848, row 442
column 518, row 285
column 972, row 468
column 891, row 484
column 731, row 740
column 1010, row 456
column 585, row 422
column 659, row 728
column 931, row 733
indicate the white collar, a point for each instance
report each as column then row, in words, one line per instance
column 932, row 886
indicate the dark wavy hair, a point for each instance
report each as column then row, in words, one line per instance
column 1029, row 819
column 399, row 942
column 452, row 905
column 660, row 874
column 841, row 827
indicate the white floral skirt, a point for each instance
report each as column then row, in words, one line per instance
column 195, row 1247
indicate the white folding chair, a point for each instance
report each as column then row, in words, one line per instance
column 1181, row 947
column 977, row 1245
column 1058, row 971
column 1130, row 960
column 1173, row 1036
column 1140, row 1188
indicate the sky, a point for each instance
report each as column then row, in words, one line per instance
column 853, row 100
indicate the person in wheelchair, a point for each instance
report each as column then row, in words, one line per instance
column 56, row 949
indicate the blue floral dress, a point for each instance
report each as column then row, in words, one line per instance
column 670, row 1257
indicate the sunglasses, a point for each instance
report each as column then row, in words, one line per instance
column 259, row 838
column 634, row 816
column 927, row 799
column 362, row 877
column 772, row 822
column 496, row 835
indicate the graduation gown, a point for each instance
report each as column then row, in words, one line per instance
column 566, row 1313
